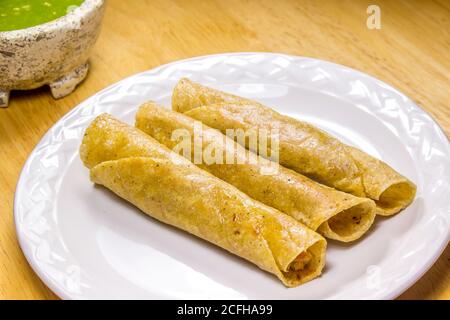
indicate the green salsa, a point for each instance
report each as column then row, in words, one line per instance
column 21, row 14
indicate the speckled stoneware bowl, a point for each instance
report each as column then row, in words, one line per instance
column 54, row 53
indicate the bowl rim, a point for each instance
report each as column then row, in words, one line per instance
column 87, row 7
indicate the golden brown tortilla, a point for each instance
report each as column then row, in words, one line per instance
column 336, row 215
column 169, row 188
column 303, row 147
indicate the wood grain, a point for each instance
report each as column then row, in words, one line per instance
column 410, row 51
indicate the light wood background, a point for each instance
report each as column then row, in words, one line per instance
column 411, row 52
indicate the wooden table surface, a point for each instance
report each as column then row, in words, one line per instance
column 410, row 51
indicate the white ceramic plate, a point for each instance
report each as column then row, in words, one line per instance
column 84, row 242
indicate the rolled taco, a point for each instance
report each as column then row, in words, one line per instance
column 171, row 189
column 302, row 147
column 334, row 214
